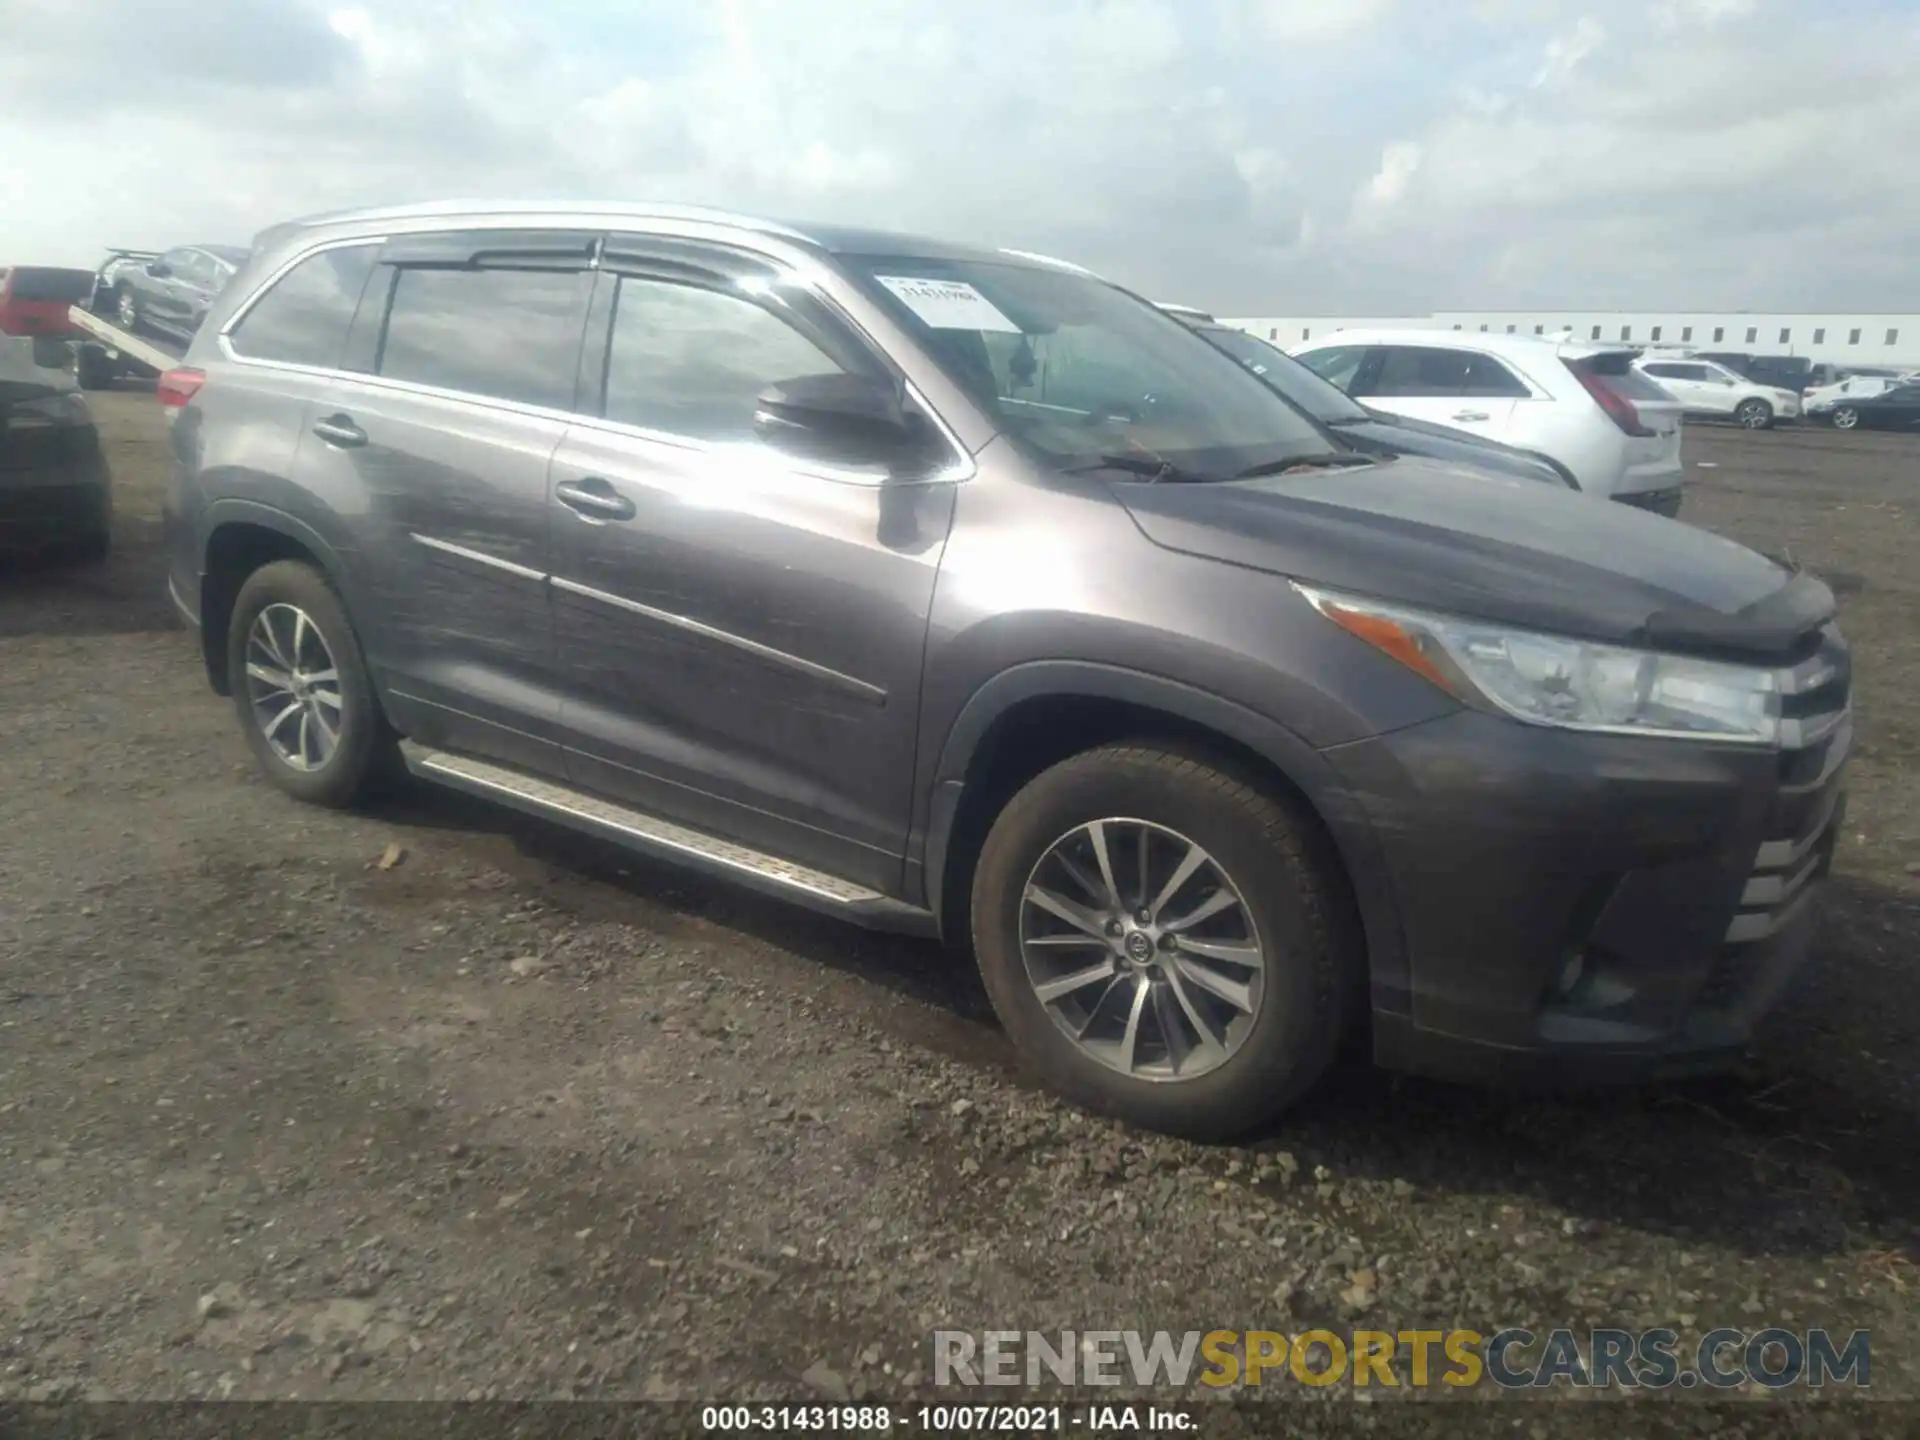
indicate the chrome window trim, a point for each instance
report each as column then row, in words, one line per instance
column 225, row 337
column 864, row 689
column 961, row 469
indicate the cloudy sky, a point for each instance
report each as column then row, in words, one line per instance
column 1250, row 156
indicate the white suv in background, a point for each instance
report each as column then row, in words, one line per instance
column 1709, row 389
column 1582, row 408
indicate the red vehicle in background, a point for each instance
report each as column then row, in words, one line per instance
column 64, row 303
column 38, row 299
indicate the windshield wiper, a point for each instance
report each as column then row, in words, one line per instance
column 1330, row 460
column 1147, row 467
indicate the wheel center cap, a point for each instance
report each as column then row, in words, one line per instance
column 1139, row 946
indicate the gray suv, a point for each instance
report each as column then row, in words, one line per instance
column 962, row 592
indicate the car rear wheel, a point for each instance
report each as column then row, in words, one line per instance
column 1845, row 418
column 305, row 700
column 127, row 309
column 1164, row 941
column 1754, row 414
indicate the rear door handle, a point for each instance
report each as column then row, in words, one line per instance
column 594, row 499
column 340, row 430
column 1470, row 415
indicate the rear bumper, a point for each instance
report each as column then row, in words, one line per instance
column 1580, row 908
column 55, row 504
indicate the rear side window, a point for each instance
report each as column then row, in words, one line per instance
column 686, row 360
column 1621, row 376
column 303, row 319
column 505, row 334
column 1423, row 370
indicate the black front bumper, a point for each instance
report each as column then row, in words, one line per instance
column 1674, row 882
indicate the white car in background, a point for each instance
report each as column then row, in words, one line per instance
column 1581, row 407
column 1710, row 390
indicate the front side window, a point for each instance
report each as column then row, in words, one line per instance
column 505, row 334
column 1337, row 364
column 304, row 318
column 692, row 361
column 1079, row 372
column 1414, row 371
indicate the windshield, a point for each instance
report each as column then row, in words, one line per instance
column 1080, row 373
column 1324, row 402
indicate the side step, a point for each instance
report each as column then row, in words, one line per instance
column 663, row 839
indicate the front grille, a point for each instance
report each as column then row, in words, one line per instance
column 1806, row 815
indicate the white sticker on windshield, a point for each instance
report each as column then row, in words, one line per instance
column 948, row 304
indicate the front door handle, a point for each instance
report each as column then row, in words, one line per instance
column 594, row 499
column 340, row 430
column 1470, row 415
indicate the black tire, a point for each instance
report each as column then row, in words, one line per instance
column 1277, row 861
column 126, row 309
column 91, row 370
column 366, row 757
column 1754, row 414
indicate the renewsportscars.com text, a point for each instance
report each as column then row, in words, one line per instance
column 1511, row 1358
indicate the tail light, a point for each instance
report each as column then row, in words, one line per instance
column 1619, row 409
column 177, row 387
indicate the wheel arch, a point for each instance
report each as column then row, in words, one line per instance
column 1034, row 715
column 242, row 536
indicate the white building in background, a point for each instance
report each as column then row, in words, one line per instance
column 1833, row 337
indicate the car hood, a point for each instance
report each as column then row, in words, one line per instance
column 1476, row 544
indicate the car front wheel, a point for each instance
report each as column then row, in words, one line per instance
column 305, row 701
column 1164, row 941
column 1845, row 418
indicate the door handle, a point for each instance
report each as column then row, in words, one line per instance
column 1470, row 415
column 594, row 499
column 340, row 430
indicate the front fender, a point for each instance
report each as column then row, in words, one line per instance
column 1302, row 766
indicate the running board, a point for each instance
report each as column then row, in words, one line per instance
column 663, row 839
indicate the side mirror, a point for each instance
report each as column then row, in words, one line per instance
column 833, row 417
column 159, row 269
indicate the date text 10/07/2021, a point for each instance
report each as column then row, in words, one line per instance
column 949, row 1419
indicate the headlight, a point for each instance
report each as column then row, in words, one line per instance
column 65, row 408
column 1572, row 684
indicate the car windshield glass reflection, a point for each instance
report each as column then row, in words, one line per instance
column 1075, row 369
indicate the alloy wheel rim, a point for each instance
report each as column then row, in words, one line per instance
column 1845, row 419
column 127, row 312
column 293, row 686
column 1142, row 949
column 1752, row 416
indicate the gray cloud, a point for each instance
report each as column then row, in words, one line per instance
column 1247, row 155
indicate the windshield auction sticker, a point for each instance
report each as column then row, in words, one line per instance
column 948, row 304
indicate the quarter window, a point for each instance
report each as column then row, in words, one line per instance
column 303, row 319
column 506, row 334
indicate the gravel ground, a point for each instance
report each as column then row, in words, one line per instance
column 437, row 1103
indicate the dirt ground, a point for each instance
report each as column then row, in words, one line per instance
column 521, row 1115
